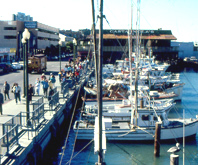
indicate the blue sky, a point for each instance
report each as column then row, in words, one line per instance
column 180, row 16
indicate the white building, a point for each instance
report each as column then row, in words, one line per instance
column 186, row 49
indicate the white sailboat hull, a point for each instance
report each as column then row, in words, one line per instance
column 167, row 133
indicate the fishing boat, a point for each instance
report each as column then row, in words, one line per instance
column 145, row 129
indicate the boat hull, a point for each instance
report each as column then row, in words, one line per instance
column 167, row 133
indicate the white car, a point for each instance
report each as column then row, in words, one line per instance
column 16, row 65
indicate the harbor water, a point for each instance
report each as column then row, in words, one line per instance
column 127, row 153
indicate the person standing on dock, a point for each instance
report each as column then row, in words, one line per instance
column 45, row 87
column 1, row 102
column 6, row 89
column 17, row 91
column 37, row 86
column 52, row 79
column 30, row 93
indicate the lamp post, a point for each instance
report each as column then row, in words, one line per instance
column 26, row 36
column 23, row 41
column 74, row 50
column 74, row 58
column 60, row 44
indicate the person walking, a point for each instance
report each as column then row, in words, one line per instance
column 43, row 77
column 52, row 79
column 30, row 93
column 17, row 91
column 37, row 86
column 1, row 102
column 50, row 84
column 45, row 87
column 6, row 89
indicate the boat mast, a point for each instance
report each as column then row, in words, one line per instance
column 137, row 59
column 130, row 62
column 94, row 39
column 99, row 97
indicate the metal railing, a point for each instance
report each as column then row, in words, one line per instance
column 65, row 90
column 62, row 86
column 54, row 101
column 15, row 120
column 38, row 102
column 55, row 89
column 8, row 141
column 37, row 114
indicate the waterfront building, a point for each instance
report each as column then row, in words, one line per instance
column 115, row 44
column 41, row 36
column 186, row 49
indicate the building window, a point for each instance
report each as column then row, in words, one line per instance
column 9, row 28
column 145, row 117
column 9, row 37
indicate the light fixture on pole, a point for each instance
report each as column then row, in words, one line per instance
column 23, row 42
column 26, row 36
column 74, row 50
column 60, row 44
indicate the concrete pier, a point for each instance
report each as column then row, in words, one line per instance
column 22, row 141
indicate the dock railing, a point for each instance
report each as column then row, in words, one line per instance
column 9, row 141
column 65, row 91
column 54, row 101
column 38, row 102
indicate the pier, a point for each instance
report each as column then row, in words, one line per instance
column 22, row 138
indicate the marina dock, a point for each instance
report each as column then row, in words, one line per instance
column 24, row 136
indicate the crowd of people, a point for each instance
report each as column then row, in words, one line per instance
column 32, row 89
column 70, row 71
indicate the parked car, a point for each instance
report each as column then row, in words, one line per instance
column 16, row 66
column 22, row 64
column 6, row 68
column 1, row 70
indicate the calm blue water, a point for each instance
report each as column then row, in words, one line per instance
column 142, row 153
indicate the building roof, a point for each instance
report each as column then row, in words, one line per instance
column 144, row 34
column 151, row 37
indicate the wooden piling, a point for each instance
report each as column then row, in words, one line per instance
column 157, row 139
column 174, row 159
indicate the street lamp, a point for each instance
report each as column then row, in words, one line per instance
column 26, row 36
column 74, row 50
column 60, row 44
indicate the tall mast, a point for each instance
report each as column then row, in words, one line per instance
column 137, row 58
column 99, row 97
column 130, row 61
column 94, row 39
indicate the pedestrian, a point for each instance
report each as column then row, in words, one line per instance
column 30, row 93
column 1, row 102
column 50, row 84
column 17, row 91
column 51, row 92
column 43, row 77
column 45, row 87
column 37, row 86
column 52, row 79
column 60, row 76
column 6, row 89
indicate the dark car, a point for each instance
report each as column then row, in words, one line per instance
column 6, row 68
column 1, row 70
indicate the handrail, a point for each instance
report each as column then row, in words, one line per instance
column 38, row 102
column 54, row 101
column 8, row 141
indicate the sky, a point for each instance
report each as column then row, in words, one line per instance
column 179, row 16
